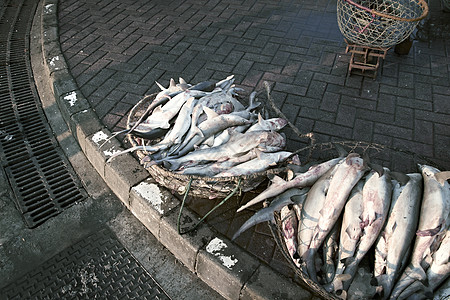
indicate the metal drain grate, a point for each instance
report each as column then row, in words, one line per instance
column 97, row 267
column 42, row 179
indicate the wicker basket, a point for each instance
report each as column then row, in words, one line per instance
column 199, row 186
column 380, row 154
column 379, row 23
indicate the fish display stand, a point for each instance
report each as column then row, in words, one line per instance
column 365, row 60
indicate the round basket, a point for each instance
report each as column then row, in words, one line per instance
column 392, row 158
column 199, row 186
column 377, row 23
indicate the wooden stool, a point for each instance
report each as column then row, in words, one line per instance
column 365, row 60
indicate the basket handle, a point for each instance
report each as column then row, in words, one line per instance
column 422, row 3
column 188, row 187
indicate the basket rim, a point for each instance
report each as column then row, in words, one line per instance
column 421, row 3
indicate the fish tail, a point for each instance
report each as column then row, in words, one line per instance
column 309, row 258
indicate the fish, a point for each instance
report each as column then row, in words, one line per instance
column 238, row 145
column 258, row 164
column 330, row 250
column 433, row 220
column 302, row 180
column 161, row 115
column 347, row 175
column 289, row 228
column 310, row 212
column 393, row 244
column 212, row 169
column 376, row 200
column 180, row 127
column 267, row 213
column 269, row 124
column 436, row 274
column 211, row 126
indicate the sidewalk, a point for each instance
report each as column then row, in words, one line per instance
column 114, row 52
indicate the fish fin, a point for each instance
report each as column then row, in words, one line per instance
column 442, row 177
column 429, row 232
column 209, row 112
column 160, row 86
column 182, row 81
column 351, row 155
column 172, row 84
column 377, row 168
column 277, row 180
column 400, row 177
column 341, row 150
column 348, row 261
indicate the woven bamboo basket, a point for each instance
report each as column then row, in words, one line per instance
column 393, row 158
column 199, row 186
column 379, row 23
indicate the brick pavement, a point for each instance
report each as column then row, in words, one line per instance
column 116, row 50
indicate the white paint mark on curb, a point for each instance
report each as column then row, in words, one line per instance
column 53, row 60
column 48, row 8
column 99, row 136
column 215, row 246
column 111, row 152
column 151, row 193
column 72, row 98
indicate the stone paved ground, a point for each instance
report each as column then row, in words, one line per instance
column 118, row 49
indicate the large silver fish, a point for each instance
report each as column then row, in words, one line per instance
column 269, row 124
column 394, row 242
column 311, row 210
column 433, row 221
column 289, row 227
column 239, row 144
column 258, row 164
column 437, row 273
column 347, row 175
column 267, row 213
column 210, row 127
column 350, row 234
column 302, row 180
column 376, row 200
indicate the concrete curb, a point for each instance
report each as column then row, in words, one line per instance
column 225, row 267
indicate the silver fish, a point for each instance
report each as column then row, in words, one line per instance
column 433, row 220
column 267, row 213
column 302, row 180
column 238, row 145
column 210, row 127
column 262, row 162
column 269, row 124
column 330, row 250
column 215, row 168
column 289, row 227
column 161, row 115
column 376, row 200
column 347, row 175
column 311, row 210
column 394, row 242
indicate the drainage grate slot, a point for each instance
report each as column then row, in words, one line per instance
column 43, row 181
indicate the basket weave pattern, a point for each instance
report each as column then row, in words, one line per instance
column 377, row 23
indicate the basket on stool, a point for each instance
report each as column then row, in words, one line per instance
column 378, row 23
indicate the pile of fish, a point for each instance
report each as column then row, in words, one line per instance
column 205, row 130
column 336, row 213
